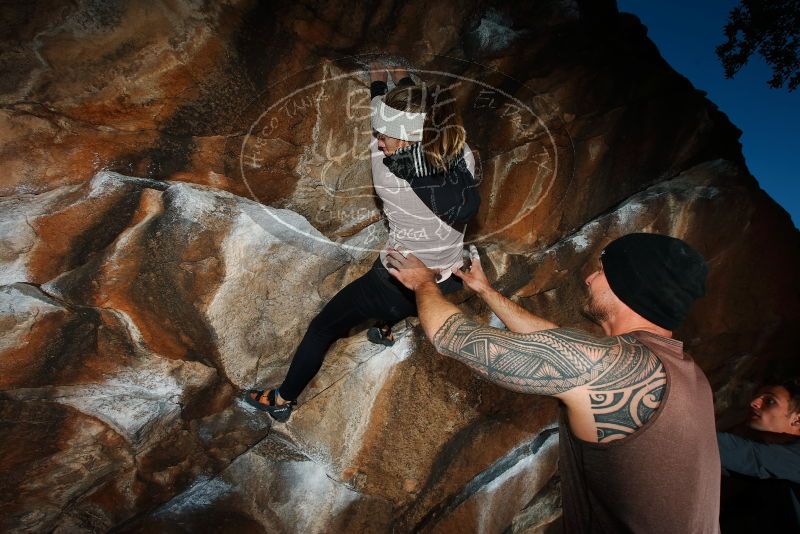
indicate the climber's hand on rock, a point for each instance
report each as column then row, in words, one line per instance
column 474, row 277
column 409, row 269
column 398, row 72
column 377, row 71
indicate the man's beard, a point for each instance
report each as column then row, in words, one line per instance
column 593, row 311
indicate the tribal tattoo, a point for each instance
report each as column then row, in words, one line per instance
column 625, row 381
column 628, row 392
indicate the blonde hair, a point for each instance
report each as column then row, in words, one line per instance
column 443, row 134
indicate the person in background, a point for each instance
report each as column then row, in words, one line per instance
column 761, row 482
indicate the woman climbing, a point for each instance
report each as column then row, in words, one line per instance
column 423, row 172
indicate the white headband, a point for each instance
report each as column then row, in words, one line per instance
column 395, row 123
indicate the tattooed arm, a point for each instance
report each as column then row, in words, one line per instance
column 611, row 385
column 547, row 362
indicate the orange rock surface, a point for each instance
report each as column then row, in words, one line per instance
column 179, row 181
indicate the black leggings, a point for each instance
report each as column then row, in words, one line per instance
column 376, row 295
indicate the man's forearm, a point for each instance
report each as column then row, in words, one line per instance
column 433, row 308
column 514, row 316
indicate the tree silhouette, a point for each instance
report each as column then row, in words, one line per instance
column 769, row 27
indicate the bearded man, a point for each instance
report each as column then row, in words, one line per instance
column 638, row 450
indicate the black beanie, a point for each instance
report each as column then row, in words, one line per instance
column 658, row 276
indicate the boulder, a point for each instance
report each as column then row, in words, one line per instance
column 186, row 184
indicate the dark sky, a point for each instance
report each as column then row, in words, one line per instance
column 686, row 33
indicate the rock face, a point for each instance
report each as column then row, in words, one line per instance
column 184, row 186
column 125, row 367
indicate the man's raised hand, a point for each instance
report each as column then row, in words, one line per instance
column 474, row 278
column 409, row 269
